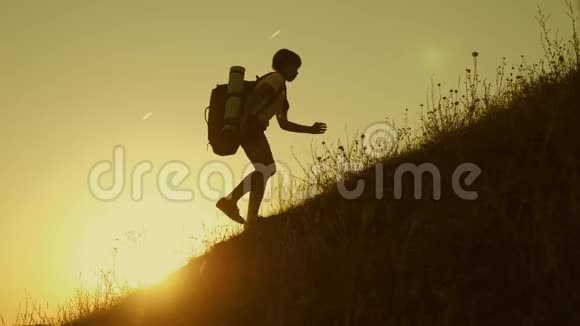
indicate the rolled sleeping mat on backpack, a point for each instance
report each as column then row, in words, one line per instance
column 233, row 107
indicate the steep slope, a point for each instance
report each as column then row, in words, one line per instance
column 510, row 257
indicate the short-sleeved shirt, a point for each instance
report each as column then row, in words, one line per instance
column 264, row 114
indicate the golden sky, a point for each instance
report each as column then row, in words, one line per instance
column 78, row 78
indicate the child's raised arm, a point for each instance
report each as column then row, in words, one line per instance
column 316, row 128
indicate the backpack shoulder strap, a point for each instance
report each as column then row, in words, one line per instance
column 260, row 77
column 271, row 99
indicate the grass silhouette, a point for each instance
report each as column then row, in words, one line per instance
column 507, row 258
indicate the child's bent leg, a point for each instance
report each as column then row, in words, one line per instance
column 241, row 189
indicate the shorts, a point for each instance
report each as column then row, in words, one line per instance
column 257, row 149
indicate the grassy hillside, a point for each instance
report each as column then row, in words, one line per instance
column 510, row 257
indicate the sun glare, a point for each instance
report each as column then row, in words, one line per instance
column 140, row 243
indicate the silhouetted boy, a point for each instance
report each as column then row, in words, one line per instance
column 254, row 142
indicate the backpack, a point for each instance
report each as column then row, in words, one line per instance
column 225, row 144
